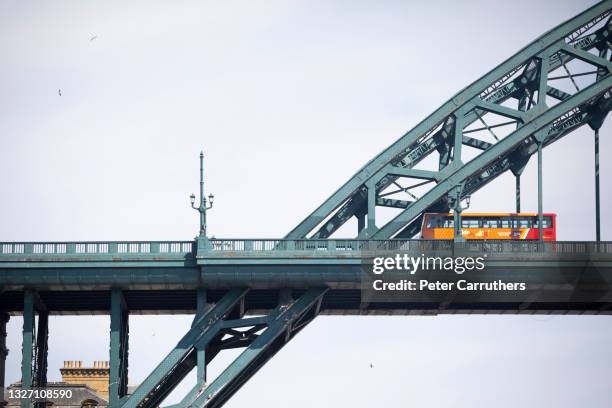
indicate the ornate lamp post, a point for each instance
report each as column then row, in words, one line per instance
column 203, row 205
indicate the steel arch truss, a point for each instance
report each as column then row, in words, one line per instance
column 223, row 327
column 492, row 126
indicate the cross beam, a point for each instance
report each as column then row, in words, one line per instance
column 179, row 362
column 282, row 325
column 217, row 329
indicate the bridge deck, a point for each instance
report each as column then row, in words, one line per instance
column 162, row 277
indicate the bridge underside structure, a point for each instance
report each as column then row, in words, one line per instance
column 257, row 294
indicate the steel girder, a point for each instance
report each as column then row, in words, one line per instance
column 523, row 80
column 119, row 346
column 201, row 307
column 280, row 326
column 34, row 346
column 4, row 318
column 220, row 327
column 179, row 362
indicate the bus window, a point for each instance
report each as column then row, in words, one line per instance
column 523, row 223
column 449, row 222
column 435, row 222
column 546, row 222
column 505, row 223
column 469, row 222
column 490, row 222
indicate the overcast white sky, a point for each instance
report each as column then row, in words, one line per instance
column 288, row 99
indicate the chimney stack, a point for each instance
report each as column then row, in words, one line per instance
column 95, row 376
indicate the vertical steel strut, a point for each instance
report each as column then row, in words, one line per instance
column 597, row 210
column 540, row 216
column 119, row 348
column 4, row 318
column 27, row 350
column 34, row 346
column 42, row 341
column 518, row 193
column 371, row 209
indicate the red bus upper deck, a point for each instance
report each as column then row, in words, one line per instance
column 510, row 226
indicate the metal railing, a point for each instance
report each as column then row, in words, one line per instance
column 344, row 245
column 12, row 249
column 263, row 247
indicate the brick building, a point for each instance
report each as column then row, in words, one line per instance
column 88, row 386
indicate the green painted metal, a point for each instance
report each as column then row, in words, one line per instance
column 490, row 156
column 209, row 332
column 540, row 184
column 92, row 254
column 230, row 247
column 98, row 250
column 41, row 352
column 283, row 323
column 265, row 335
column 182, row 359
column 203, row 206
column 201, row 306
column 34, row 346
column 40, row 355
column 27, row 347
column 56, row 276
column 517, row 78
column 152, row 269
column 119, row 349
column 597, row 206
column 4, row 318
column 270, row 263
column 517, row 190
column 306, row 258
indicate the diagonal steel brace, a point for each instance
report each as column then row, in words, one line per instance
column 283, row 323
column 177, row 364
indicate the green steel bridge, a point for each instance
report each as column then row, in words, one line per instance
column 257, row 294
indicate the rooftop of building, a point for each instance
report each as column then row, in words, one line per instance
column 81, row 386
column 81, row 395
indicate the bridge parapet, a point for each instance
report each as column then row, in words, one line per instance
column 237, row 246
column 96, row 253
column 16, row 252
column 261, row 250
column 88, row 248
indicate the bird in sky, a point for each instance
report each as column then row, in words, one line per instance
column 59, row 92
column 371, row 365
column 93, row 38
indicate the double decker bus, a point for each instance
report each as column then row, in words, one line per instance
column 490, row 226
